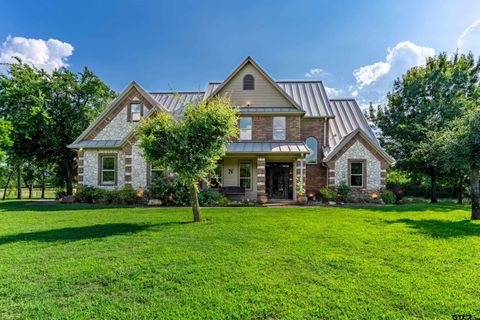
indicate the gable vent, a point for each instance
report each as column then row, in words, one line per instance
column 248, row 82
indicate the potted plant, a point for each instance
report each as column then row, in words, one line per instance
column 300, row 189
column 262, row 198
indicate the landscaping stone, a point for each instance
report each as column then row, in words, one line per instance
column 67, row 199
column 154, row 202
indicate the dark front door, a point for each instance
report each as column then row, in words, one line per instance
column 278, row 180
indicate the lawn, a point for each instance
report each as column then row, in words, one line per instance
column 90, row 262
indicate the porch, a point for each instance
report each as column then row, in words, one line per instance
column 264, row 169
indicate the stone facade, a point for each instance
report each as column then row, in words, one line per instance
column 91, row 167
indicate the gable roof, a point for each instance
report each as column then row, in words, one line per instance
column 310, row 95
column 113, row 104
column 348, row 117
column 349, row 137
column 175, row 102
column 262, row 72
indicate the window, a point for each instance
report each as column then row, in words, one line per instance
column 135, row 112
column 108, row 174
column 357, row 170
column 246, row 128
column 156, row 173
column 248, row 82
column 246, row 175
column 216, row 180
column 312, row 144
column 279, row 128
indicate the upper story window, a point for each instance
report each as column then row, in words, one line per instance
column 248, row 82
column 246, row 128
column 357, row 173
column 135, row 112
column 312, row 144
column 108, row 170
column 279, row 128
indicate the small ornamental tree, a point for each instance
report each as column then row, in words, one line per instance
column 192, row 146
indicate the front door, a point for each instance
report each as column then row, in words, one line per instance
column 278, row 184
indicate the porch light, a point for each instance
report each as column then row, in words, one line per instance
column 247, row 103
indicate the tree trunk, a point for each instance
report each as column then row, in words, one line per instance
column 195, row 205
column 475, row 192
column 30, row 191
column 19, row 183
column 433, row 191
column 6, row 185
column 460, row 190
column 43, row 186
column 69, row 178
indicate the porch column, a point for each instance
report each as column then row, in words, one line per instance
column 260, row 176
column 301, row 173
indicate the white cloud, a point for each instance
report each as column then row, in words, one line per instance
column 375, row 80
column 334, row 93
column 45, row 54
column 469, row 40
column 316, row 72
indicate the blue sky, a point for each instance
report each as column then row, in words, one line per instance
column 180, row 45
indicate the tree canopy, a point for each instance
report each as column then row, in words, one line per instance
column 191, row 147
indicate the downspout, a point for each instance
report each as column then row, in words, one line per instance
column 325, row 132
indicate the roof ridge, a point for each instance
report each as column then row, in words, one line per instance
column 170, row 92
column 299, row 81
column 342, row 99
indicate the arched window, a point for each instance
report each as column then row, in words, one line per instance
column 248, row 82
column 312, row 144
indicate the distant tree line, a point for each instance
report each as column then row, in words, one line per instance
column 431, row 123
column 40, row 114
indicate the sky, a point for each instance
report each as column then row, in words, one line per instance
column 357, row 48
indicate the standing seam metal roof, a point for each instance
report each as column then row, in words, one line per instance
column 175, row 102
column 267, row 147
column 310, row 95
column 348, row 117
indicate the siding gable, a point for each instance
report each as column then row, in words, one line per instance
column 264, row 95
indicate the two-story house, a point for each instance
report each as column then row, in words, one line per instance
column 288, row 129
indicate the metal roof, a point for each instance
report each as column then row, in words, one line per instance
column 96, row 144
column 253, row 109
column 348, row 117
column 175, row 102
column 310, row 95
column 280, row 147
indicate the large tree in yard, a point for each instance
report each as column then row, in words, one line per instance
column 48, row 111
column 460, row 146
column 420, row 107
column 192, row 146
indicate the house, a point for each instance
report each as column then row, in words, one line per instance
column 288, row 129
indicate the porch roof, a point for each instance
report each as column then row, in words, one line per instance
column 95, row 144
column 275, row 147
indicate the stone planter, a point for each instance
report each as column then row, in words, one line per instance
column 262, row 198
column 302, row 199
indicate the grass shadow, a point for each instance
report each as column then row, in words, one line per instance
column 409, row 207
column 442, row 228
column 81, row 233
column 18, row 205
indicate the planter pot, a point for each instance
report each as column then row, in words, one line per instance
column 301, row 199
column 262, row 199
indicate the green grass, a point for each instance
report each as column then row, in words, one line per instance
column 86, row 262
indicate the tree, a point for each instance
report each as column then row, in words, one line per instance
column 48, row 111
column 460, row 145
column 191, row 147
column 420, row 106
column 5, row 141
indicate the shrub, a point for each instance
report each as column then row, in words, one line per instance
column 328, row 194
column 387, row 196
column 60, row 193
column 209, row 198
column 88, row 194
column 170, row 191
column 343, row 191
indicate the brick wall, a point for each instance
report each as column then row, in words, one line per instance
column 262, row 128
column 316, row 174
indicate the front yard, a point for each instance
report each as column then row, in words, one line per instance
column 87, row 262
